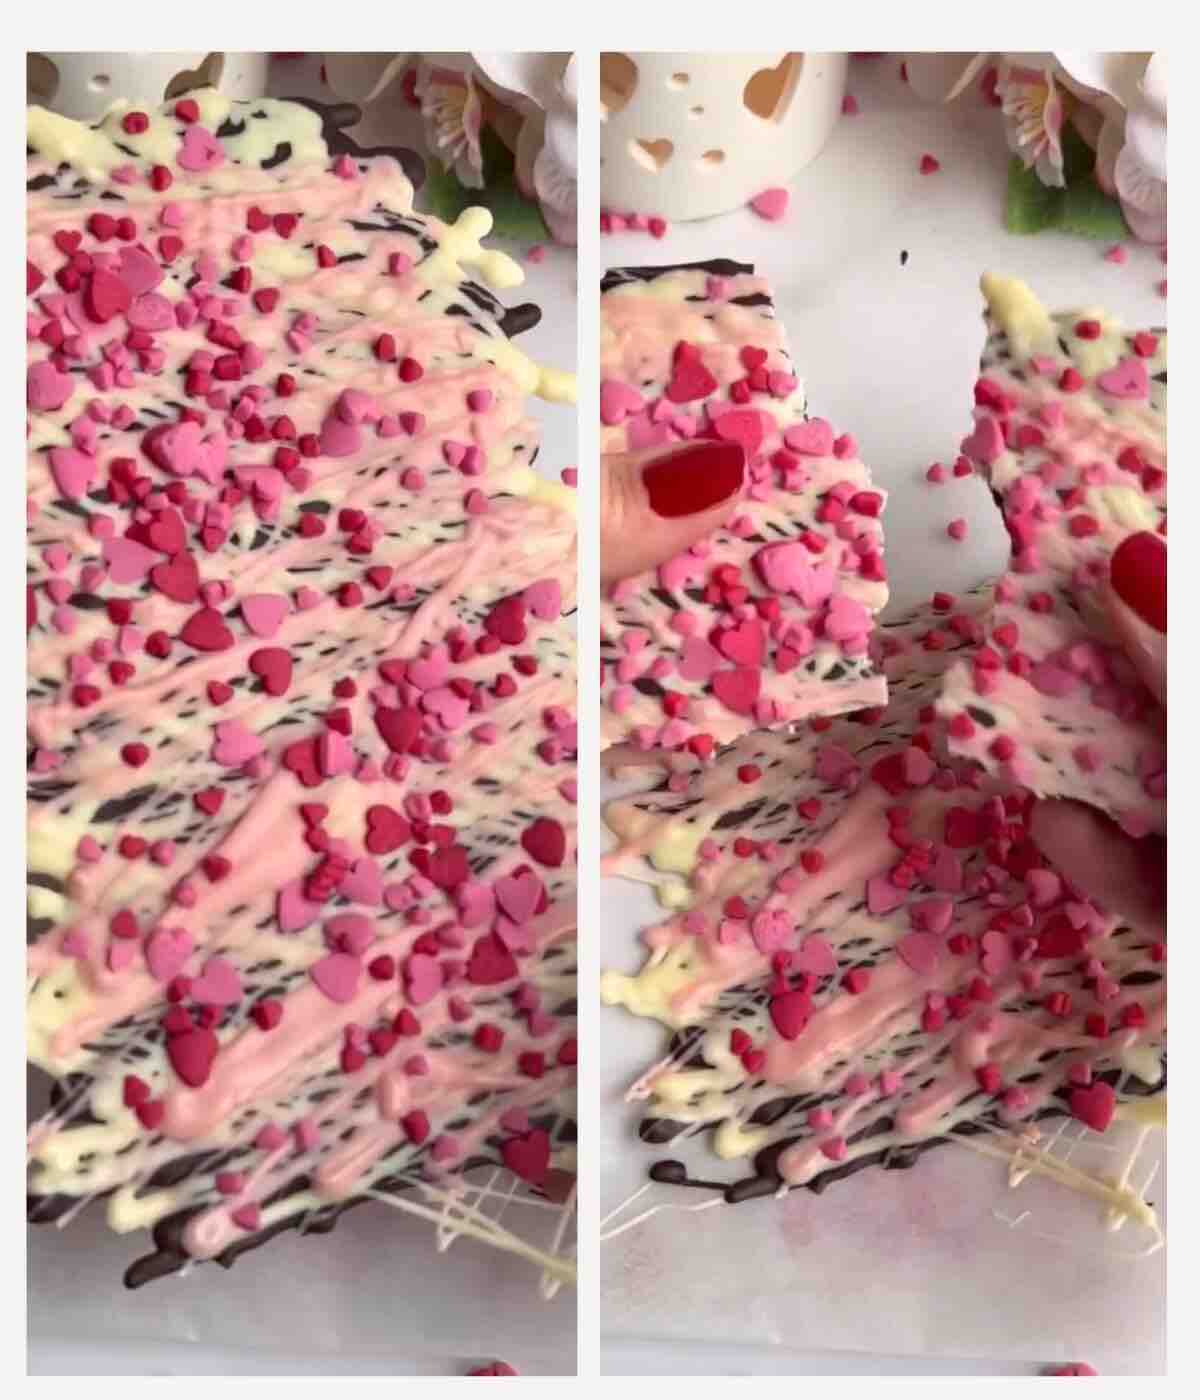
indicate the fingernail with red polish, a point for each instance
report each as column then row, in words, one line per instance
column 694, row 478
column 1138, row 573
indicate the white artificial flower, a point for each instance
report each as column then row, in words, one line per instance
column 541, row 88
column 1130, row 89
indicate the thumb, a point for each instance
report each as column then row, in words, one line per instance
column 654, row 504
column 1138, row 606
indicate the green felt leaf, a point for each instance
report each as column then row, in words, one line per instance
column 1087, row 210
column 1081, row 207
column 1029, row 206
column 515, row 216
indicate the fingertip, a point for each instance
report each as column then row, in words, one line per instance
column 692, row 480
column 1138, row 574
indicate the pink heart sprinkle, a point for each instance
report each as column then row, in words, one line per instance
column 932, row 915
column 139, row 271
column 698, row 659
column 447, row 707
column 617, row 401
column 234, row 744
column 292, row 910
column 813, row 438
column 815, row 956
column 519, row 896
column 544, row 599
column 264, row 613
column 200, row 150
column 846, row 619
column 337, row 976
column 218, row 984
column 128, row 561
column 166, row 952
column 429, row 671
column 340, row 439
column 788, row 568
column 423, row 978
column 771, row 204
column 72, row 470
column 771, row 929
column 920, row 952
column 986, row 443
column 120, row 955
column 45, row 388
column 1128, row 380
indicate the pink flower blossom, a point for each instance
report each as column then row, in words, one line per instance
column 1033, row 108
column 453, row 118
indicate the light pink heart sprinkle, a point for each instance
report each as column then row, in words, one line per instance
column 166, row 951
column 264, row 613
column 219, row 983
column 337, row 976
column 423, row 978
column 815, row 956
column 771, row 204
column 919, row 951
column 234, row 744
column 519, row 896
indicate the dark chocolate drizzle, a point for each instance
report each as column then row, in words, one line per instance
column 717, row 267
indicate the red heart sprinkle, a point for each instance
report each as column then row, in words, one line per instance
column 448, row 867
column 273, row 666
column 1094, row 1105
column 738, row 690
column 790, row 1012
column 690, row 380
column 386, row 830
column 506, row 621
column 191, row 1054
column 151, row 1113
column 546, row 841
column 490, row 962
column 528, row 1156
column 134, row 1091
column 267, row 1014
column 206, row 631
column 209, row 800
column 106, row 296
column 178, row 579
column 301, row 758
column 746, row 644
column 398, row 729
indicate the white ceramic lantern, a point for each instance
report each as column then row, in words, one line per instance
column 686, row 135
column 85, row 85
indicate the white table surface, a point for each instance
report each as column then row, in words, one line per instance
column 373, row 1298
column 888, row 352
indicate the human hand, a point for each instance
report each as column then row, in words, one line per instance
column 1090, row 849
column 654, row 504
